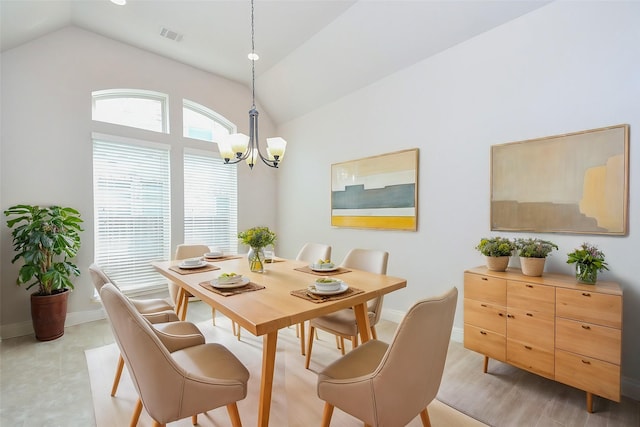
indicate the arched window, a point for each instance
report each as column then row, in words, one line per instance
column 137, row 108
column 200, row 122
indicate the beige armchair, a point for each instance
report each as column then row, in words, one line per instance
column 343, row 323
column 311, row 253
column 176, row 376
column 185, row 251
column 390, row 384
column 155, row 310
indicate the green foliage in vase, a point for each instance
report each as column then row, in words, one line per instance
column 534, row 248
column 588, row 255
column 45, row 238
column 257, row 237
column 496, row 246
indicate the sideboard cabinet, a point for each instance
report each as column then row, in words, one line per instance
column 551, row 325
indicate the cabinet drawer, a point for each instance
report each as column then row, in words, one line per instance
column 599, row 342
column 485, row 316
column 591, row 307
column 486, row 342
column 530, row 296
column 531, row 358
column 531, row 327
column 485, row 288
column 595, row 376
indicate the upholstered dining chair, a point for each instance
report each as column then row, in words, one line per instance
column 343, row 323
column 390, row 384
column 184, row 251
column 176, row 376
column 311, row 253
column 155, row 310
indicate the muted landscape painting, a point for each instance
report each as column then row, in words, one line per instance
column 376, row 192
column 573, row 183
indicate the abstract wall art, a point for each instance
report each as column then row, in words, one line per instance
column 571, row 183
column 379, row 192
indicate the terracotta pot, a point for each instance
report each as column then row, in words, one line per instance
column 532, row 266
column 48, row 313
column 497, row 263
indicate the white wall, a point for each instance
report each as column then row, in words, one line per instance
column 566, row 67
column 46, row 149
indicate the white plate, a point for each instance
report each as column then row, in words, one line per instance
column 334, row 268
column 313, row 290
column 212, row 257
column 243, row 282
column 187, row 267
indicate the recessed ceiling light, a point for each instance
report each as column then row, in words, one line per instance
column 119, row 2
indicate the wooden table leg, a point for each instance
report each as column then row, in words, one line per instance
column 589, row 402
column 362, row 318
column 302, row 343
column 269, row 342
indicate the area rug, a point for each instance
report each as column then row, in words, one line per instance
column 294, row 402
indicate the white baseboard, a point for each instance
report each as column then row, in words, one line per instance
column 26, row 328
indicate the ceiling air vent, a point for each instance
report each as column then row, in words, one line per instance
column 171, row 35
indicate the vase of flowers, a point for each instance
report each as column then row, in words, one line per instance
column 257, row 238
column 497, row 251
column 589, row 260
column 533, row 254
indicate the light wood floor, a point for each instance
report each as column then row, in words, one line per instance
column 47, row 384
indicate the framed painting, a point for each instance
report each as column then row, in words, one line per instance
column 572, row 183
column 379, row 192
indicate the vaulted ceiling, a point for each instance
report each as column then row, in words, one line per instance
column 312, row 52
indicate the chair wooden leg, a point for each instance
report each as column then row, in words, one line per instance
column 157, row 424
column 338, row 346
column 194, row 419
column 424, row 416
column 238, row 334
column 354, row 342
column 234, row 415
column 213, row 316
column 300, row 327
column 374, row 334
column 309, row 346
column 136, row 414
column 342, row 345
column 116, row 379
column 326, row 414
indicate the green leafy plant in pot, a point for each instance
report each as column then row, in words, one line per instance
column 497, row 251
column 533, row 253
column 45, row 239
column 589, row 260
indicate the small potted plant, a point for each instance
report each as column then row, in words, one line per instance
column 589, row 260
column 45, row 239
column 497, row 251
column 533, row 253
column 257, row 238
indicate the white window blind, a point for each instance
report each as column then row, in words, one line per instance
column 210, row 202
column 132, row 211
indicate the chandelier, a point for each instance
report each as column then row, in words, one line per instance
column 238, row 147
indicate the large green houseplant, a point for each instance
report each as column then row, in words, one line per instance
column 45, row 239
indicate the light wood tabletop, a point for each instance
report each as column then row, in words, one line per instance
column 263, row 312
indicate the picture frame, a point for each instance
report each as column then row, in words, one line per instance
column 571, row 183
column 378, row 192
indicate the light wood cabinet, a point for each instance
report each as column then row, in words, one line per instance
column 550, row 325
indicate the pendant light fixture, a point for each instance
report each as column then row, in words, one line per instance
column 238, row 147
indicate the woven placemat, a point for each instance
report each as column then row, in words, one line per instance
column 209, row 267
column 307, row 269
column 249, row 287
column 305, row 294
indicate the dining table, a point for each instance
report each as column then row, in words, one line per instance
column 275, row 299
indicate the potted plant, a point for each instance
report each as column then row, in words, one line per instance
column 497, row 251
column 257, row 238
column 533, row 253
column 589, row 260
column 45, row 238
